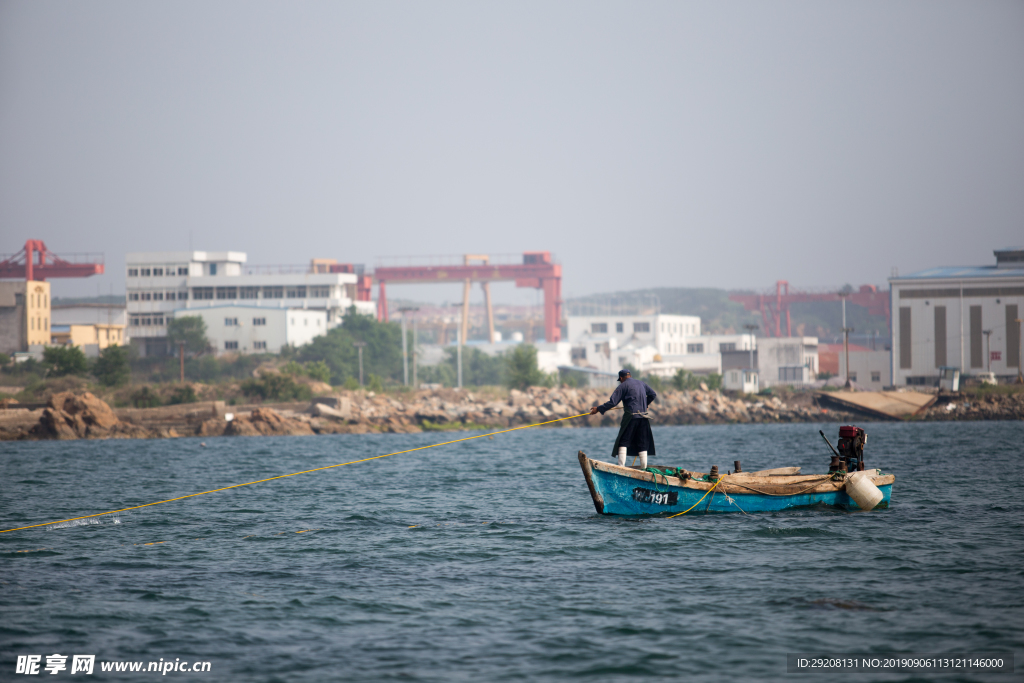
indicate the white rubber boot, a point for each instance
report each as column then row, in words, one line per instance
column 622, row 456
column 643, row 460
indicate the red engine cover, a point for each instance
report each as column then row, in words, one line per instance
column 847, row 432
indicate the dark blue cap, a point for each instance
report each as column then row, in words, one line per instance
column 623, row 373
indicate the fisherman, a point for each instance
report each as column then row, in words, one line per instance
column 635, row 437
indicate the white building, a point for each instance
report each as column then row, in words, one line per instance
column 657, row 344
column 244, row 328
column 666, row 333
column 608, row 342
column 941, row 315
column 741, row 379
column 668, row 366
column 787, row 360
column 159, row 283
column 717, row 343
column 869, row 369
column 551, row 355
column 702, row 356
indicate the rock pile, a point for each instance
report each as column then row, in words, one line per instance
column 447, row 408
column 83, row 416
column 267, row 422
column 987, row 406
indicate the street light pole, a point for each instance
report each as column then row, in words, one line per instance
column 360, row 345
column 842, row 296
column 415, row 383
column 405, row 351
column 458, row 352
column 405, row 355
column 846, row 352
column 846, row 342
column 459, row 341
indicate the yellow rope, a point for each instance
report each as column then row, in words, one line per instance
column 720, row 480
column 283, row 476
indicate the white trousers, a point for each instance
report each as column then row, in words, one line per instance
column 622, row 457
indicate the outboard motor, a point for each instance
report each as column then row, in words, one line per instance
column 851, row 447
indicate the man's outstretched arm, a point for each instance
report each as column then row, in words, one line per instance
column 611, row 403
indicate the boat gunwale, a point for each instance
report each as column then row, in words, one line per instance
column 758, row 485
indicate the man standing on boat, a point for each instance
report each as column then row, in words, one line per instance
column 635, row 436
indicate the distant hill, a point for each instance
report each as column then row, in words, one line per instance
column 720, row 316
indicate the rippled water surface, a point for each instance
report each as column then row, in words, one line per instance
column 485, row 560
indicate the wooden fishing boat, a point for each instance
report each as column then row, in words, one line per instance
column 618, row 490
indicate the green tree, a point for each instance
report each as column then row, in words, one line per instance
column 478, row 369
column 65, row 360
column 190, row 330
column 113, row 368
column 204, row 368
column 277, row 387
column 685, row 380
column 318, row 370
column 382, row 354
column 4, row 359
column 522, row 371
column 654, row 382
column 573, row 378
column 443, row 373
column 292, row 368
column 29, row 366
column 183, row 394
column 145, row 397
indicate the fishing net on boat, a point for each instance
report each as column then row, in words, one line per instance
column 669, row 472
column 678, row 472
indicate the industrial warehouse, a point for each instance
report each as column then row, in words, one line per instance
column 959, row 321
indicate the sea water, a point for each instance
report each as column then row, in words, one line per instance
column 485, row 560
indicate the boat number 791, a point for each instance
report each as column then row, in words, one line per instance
column 656, row 497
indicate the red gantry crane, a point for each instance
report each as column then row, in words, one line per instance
column 25, row 264
column 774, row 306
column 537, row 270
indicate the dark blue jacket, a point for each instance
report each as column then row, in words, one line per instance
column 634, row 394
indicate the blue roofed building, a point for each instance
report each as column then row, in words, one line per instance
column 958, row 317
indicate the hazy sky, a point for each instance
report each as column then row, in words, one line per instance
column 723, row 144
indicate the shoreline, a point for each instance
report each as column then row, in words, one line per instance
column 68, row 415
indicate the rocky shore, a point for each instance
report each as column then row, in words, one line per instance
column 961, row 406
column 69, row 415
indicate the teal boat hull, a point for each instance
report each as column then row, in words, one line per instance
column 629, row 492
